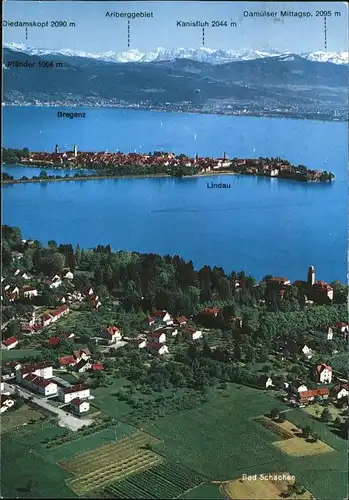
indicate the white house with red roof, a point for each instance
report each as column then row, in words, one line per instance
column 342, row 327
column 323, row 373
column 111, row 334
column 65, row 361
column 43, row 370
column 79, row 406
column 82, row 353
column 192, row 333
column 181, row 320
column 59, row 313
column 164, row 316
column 29, row 292
column 157, row 337
column 158, row 348
column 9, row 343
column 67, row 394
column 340, row 391
column 44, row 386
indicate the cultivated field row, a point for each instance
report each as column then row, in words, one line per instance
column 163, row 481
column 86, row 462
column 99, row 478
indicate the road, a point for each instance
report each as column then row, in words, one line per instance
column 64, row 419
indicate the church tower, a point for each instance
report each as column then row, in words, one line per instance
column 56, row 149
column 311, row 276
column 75, row 151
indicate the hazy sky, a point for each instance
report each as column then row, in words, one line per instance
column 96, row 33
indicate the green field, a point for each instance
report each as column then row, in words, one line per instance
column 108, row 402
column 340, row 362
column 19, row 418
column 221, row 440
column 21, row 463
column 18, row 354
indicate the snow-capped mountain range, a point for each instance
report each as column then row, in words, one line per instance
column 203, row 54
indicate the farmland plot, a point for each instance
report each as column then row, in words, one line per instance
column 164, row 481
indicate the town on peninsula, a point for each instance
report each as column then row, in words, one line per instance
column 158, row 163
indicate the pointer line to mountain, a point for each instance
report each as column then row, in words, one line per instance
column 325, row 32
column 128, row 33
column 203, row 36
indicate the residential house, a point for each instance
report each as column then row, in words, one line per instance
column 25, row 276
column 181, row 320
column 59, row 313
column 43, row 370
column 29, row 292
column 68, row 336
column 46, row 319
column 211, row 311
column 150, row 320
column 9, row 343
column 97, row 367
column 140, row 343
column 158, row 337
column 17, row 272
column 297, row 386
column 305, row 397
column 265, row 381
column 83, row 365
column 192, row 333
column 82, row 354
column 170, row 331
column 111, row 333
column 46, row 387
column 323, row 373
column 94, row 301
column 158, row 348
column 329, row 333
column 68, row 394
column 69, row 275
column 340, row 391
column 278, row 281
column 55, row 282
column 307, row 352
column 5, row 403
column 164, row 316
column 79, row 406
column 66, row 361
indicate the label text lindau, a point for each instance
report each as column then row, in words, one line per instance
column 192, row 24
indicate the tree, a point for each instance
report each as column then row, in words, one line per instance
column 306, row 431
column 326, row 415
column 337, row 422
column 275, row 413
column 315, row 437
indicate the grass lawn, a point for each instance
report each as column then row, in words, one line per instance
column 221, row 440
column 68, row 322
column 23, row 461
column 316, row 407
column 18, row 354
column 110, row 404
column 17, row 418
column 72, row 378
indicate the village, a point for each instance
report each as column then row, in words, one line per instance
column 62, row 383
column 112, row 162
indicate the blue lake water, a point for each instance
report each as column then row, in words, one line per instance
column 259, row 225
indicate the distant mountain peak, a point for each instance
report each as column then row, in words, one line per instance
column 202, row 54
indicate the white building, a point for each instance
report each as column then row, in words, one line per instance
column 39, row 384
column 69, row 275
column 158, row 348
column 111, row 334
column 158, row 336
column 192, row 333
column 9, row 343
column 323, row 373
column 5, row 403
column 43, row 370
column 67, row 394
column 29, row 292
column 307, row 352
column 79, row 406
column 55, row 282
